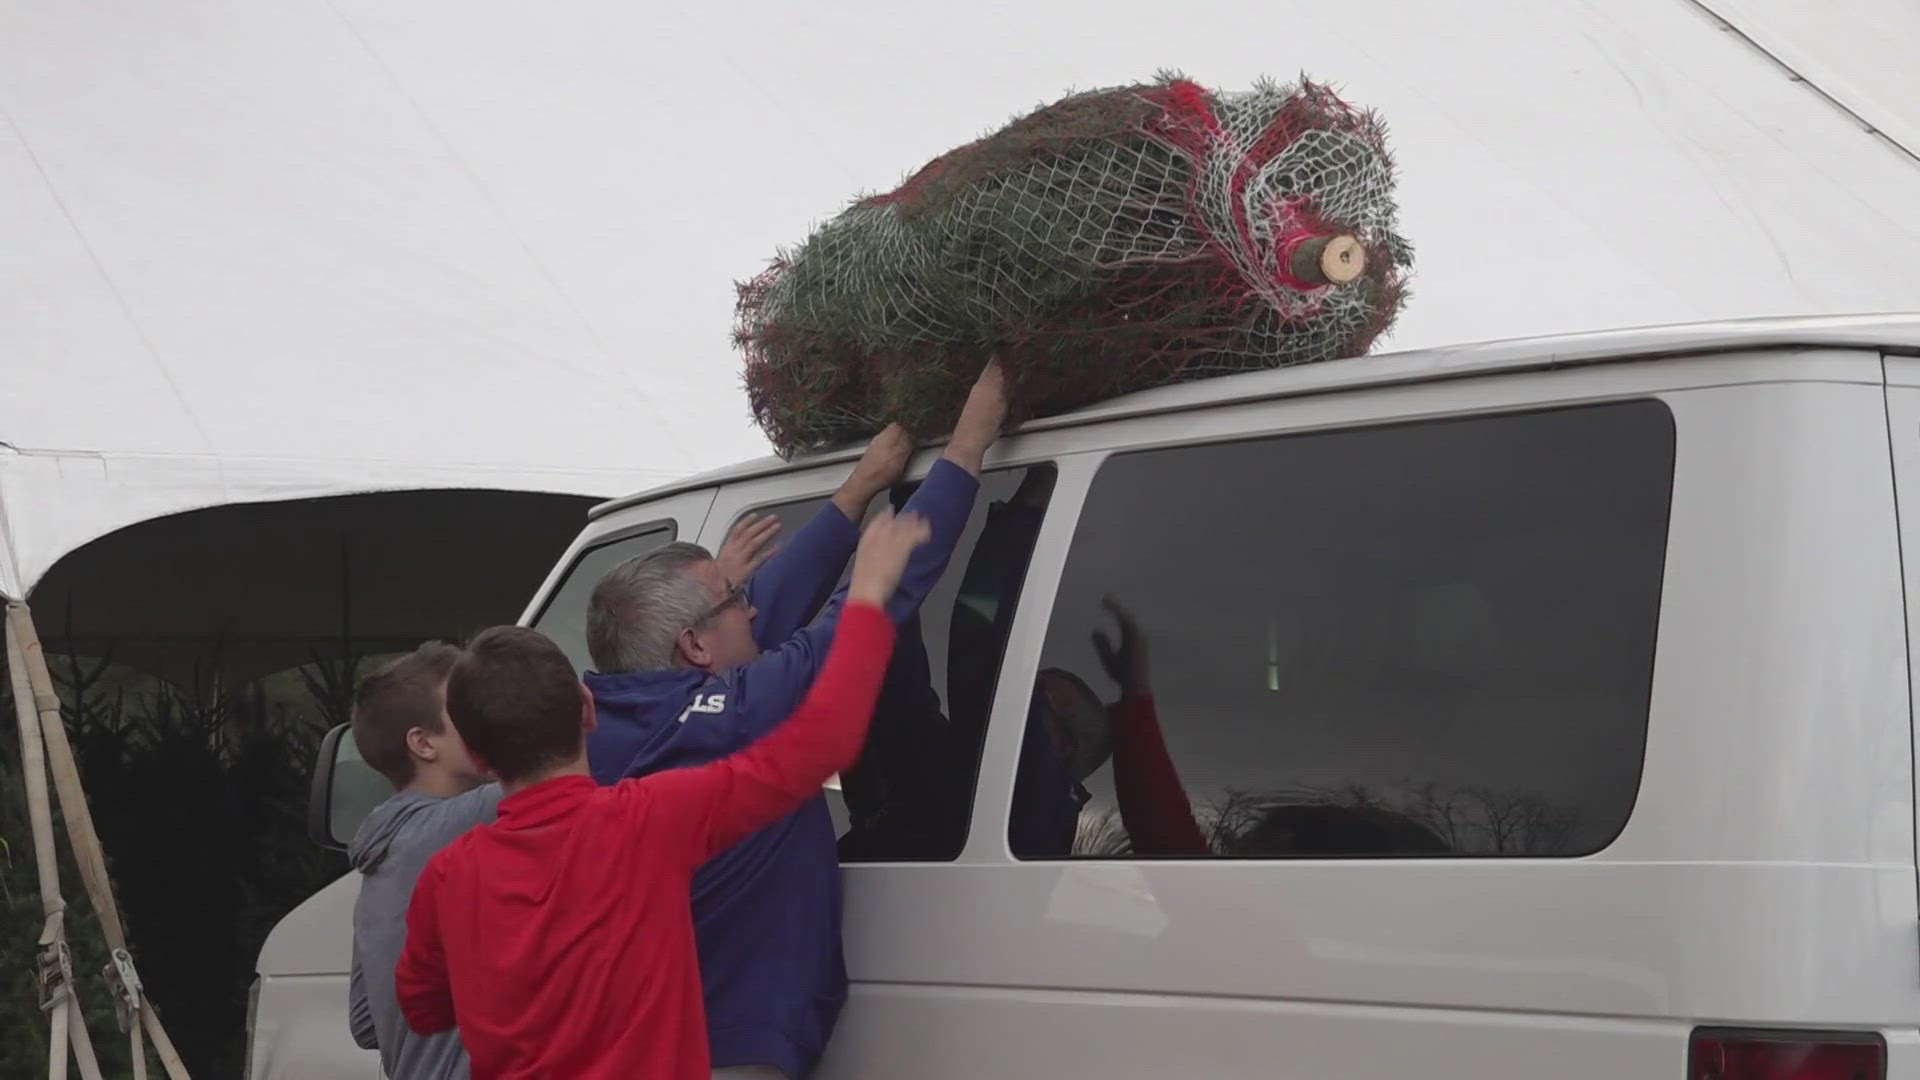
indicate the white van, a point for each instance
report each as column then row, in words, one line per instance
column 1546, row 707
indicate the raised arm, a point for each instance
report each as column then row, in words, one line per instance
column 771, row 687
column 1153, row 803
column 420, row 980
column 701, row 811
column 946, row 497
column 796, row 581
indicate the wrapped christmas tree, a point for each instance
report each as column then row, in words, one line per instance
column 1117, row 240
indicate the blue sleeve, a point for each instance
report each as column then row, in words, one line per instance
column 766, row 691
column 793, row 584
column 946, row 500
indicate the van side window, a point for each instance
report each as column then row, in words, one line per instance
column 564, row 616
column 911, row 794
column 1427, row 640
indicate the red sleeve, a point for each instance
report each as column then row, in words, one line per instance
column 711, row 807
column 1153, row 805
column 420, row 980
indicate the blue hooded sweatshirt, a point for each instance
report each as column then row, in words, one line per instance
column 766, row 912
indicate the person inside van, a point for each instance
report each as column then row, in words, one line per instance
column 1071, row 733
column 401, row 729
column 910, row 795
column 560, row 940
column 692, row 662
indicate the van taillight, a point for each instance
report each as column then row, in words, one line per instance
column 1786, row 1055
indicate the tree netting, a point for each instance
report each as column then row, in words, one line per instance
column 1116, row 240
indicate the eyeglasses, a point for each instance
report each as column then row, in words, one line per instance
column 735, row 595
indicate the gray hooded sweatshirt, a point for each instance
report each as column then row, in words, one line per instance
column 390, row 849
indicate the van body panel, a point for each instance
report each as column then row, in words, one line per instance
column 300, row 1014
column 907, row 1031
column 1795, row 945
column 302, row 1032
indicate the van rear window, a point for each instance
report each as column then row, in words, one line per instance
column 1425, row 640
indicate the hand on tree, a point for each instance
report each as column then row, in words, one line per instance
column 748, row 546
column 878, row 469
column 980, row 420
column 882, row 557
column 1126, row 663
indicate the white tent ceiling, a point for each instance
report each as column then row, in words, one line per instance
column 297, row 247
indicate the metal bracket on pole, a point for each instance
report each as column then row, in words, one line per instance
column 54, row 976
column 124, row 982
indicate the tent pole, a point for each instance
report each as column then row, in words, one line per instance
column 81, row 837
column 53, row 938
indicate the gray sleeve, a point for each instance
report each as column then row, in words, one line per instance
column 464, row 811
column 480, row 804
column 360, row 1011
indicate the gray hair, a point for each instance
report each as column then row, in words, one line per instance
column 640, row 607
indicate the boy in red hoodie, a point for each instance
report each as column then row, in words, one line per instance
column 560, row 939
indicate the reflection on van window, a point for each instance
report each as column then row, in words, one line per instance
column 910, row 796
column 564, row 618
column 1417, row 641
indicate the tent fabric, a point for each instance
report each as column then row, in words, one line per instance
column 305, row 247
column 244, row 591
column 1860, row 53
column 52, row 504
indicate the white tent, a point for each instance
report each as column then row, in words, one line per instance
column 298, row 247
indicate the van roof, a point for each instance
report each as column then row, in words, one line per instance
column 1892, row 333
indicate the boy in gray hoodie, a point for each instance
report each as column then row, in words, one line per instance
column 401, row 728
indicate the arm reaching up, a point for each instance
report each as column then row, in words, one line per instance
column 706, row 809
column 797, row 580
column 981, row 419
column 877, row 470
column 766, row 690
column 748, row 547
column 1153, row 803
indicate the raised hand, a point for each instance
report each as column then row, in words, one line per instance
column 980, row 420
column 1125, row 663
column 882, row 557
column 878, row 469
column 749, row 544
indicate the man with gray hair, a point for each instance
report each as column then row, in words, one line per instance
column 695, row 657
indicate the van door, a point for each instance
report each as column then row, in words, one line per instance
column 1903, row 435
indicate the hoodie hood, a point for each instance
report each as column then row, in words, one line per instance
column 374, row 839
column 420, row 824
column 638, row 714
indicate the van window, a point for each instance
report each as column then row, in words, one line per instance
column 1422, row 641
column 911, row 794
column 564, row 616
